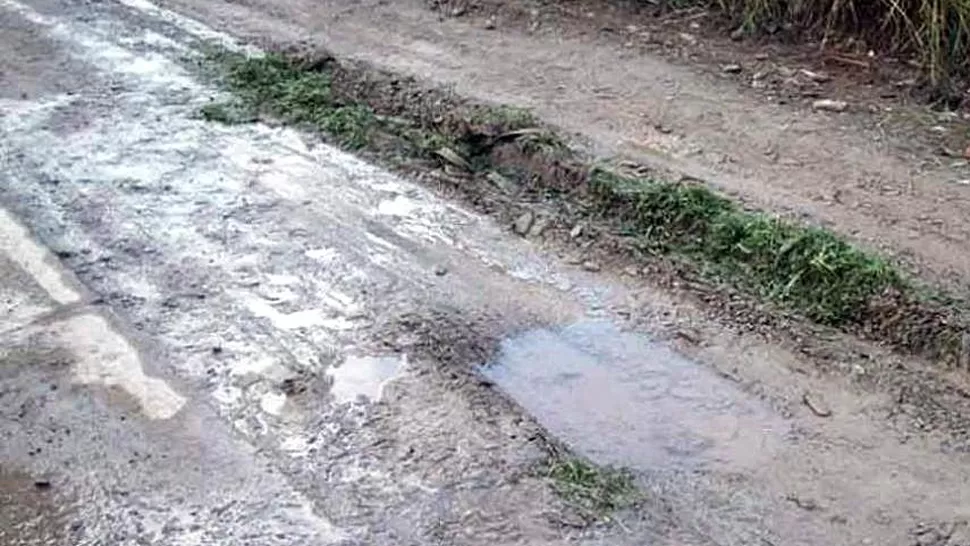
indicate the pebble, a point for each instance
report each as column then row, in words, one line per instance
column 817, row 77
column 591, row 266
column 829, row 105
column 731, row 69
column 576, row 231
column 523, row 223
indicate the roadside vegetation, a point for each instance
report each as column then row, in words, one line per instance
column 933, row 33
column 493, row 153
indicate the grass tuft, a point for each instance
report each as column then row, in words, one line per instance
column 595, row 491
column 276, row 85
column 805, row 269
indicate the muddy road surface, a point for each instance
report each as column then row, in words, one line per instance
column 217, row 334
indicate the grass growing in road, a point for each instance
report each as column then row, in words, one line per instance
column 595, row 491
column 281, row 88
column 806, row 269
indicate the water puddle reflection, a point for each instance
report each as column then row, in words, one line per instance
column 623, row 399
column 363, row 377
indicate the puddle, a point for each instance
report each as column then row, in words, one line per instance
column 364, row 377
column 623, row 399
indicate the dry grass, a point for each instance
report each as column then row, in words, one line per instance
column 936, row 33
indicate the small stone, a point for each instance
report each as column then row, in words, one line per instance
column 738, row 33
column 590, row 265
column 829, row 105
column 731, row 69
column 490, row 24
column 523, row 223
column 966, row 153
column 576, row 231
column 817, row 77
column 440, row 270
column 632, row 271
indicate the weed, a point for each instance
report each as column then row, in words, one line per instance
column 595, row 491
column 937, row 32
column 281, row 87
column 805, row 269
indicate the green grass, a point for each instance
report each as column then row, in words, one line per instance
column 276, row 86
column 805, row 269
column 596, row 492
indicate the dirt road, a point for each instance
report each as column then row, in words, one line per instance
column 858, row 172
column 240, row 335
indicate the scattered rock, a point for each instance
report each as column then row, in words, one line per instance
column 524, row 223
column 817, row 405
column 817, row 77
column 632, row 271
column 590, row 265
column 576, row 231
column 731, row 69
column 490, row 24
column 829, row 105
column 738, row 34
column 440, row 270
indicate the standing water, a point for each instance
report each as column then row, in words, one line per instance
column 622, row 399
